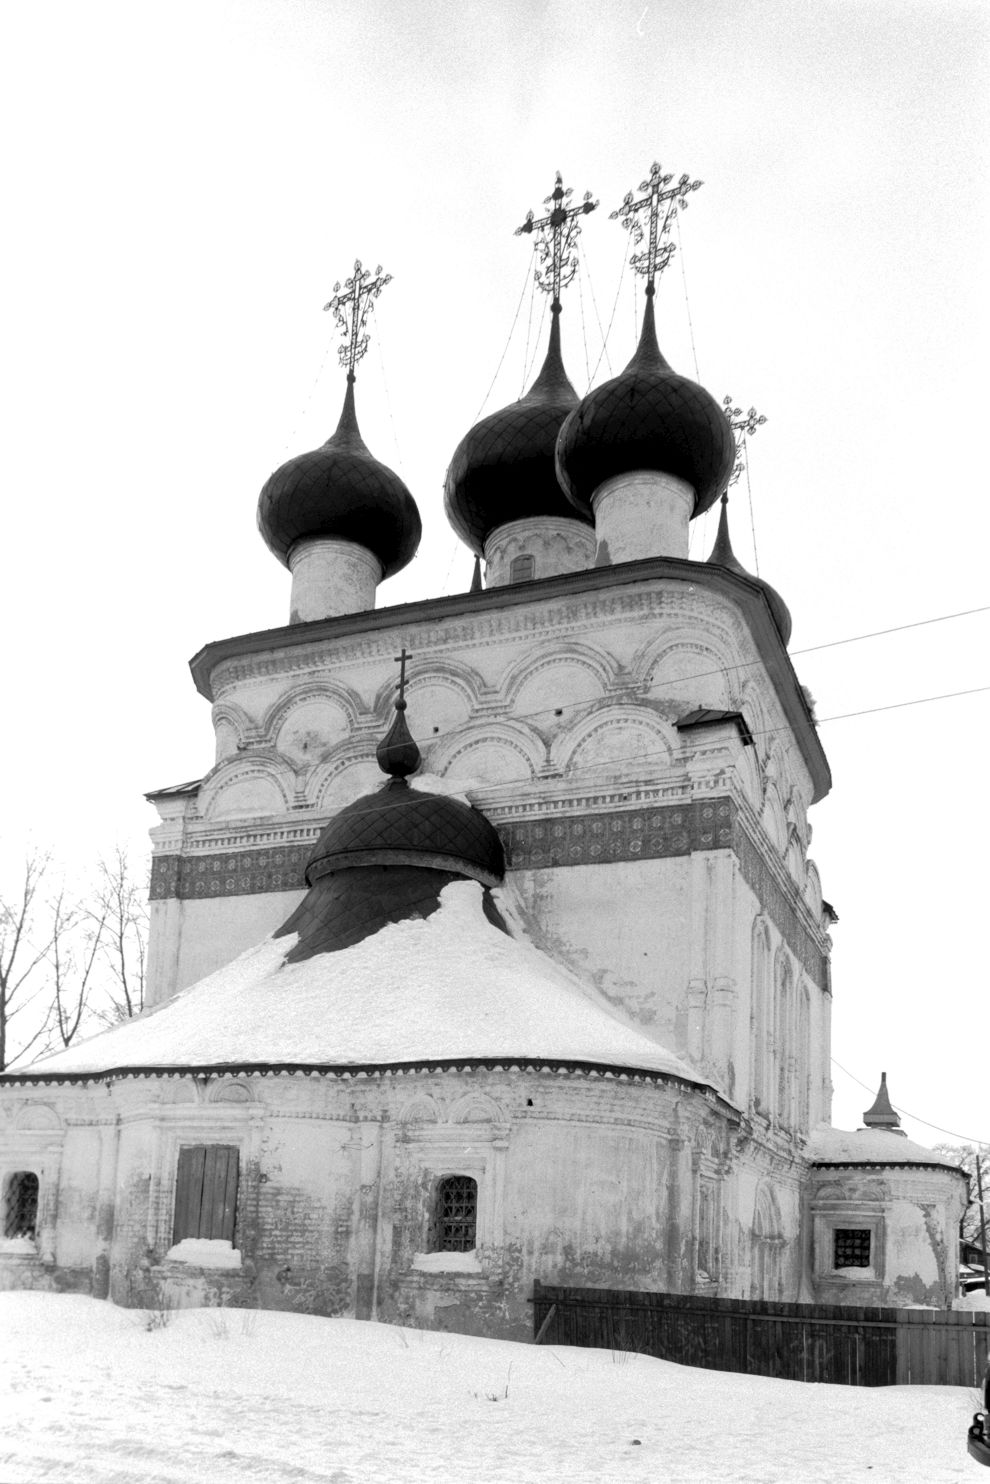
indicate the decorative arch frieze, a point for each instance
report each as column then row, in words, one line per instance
column 315, row 717
column 343, row 777
column 248, row 785
column 37, row 1117
column 555, row 680
column 231, row 1090
column 773, row 818
column 619, row 737
column 695, row 665
column 461, row 679
column 420, row 1109
column 232, row 727
column 491, row 753
column 476, row 1107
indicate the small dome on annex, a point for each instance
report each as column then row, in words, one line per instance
column 649, row 418
column 341, row 490
column 503, row 469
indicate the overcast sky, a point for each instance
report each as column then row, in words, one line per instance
column 185, row 183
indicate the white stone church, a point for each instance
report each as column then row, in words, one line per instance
column 503, row 961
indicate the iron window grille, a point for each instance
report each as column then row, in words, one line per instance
column 456, row 1214
column 20, row 1205
column 852, row 1247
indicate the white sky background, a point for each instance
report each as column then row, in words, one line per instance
column 185, row 184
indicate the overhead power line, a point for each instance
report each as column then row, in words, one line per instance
column 964, row 1138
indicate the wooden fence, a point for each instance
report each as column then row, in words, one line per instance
column 795, row 1342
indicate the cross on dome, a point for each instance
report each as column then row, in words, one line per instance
column 557, row 240
column 743, row 425
column 657, row 254
column 351, row 306
column 400, row 660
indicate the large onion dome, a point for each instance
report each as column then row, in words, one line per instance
column 722, row 555
column 341, row 490
column 646, row 418
column 503, row 469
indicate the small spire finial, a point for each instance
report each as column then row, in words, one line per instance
column 882, row 1114
column 351, row 306
column 556, row 243
column 476, row 584
column 662, row 201
column 743, row 425
column 397, row 753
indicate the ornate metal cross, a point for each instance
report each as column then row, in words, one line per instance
column 657, row 255
column 743, row 424
column 558, row 234
column 400, row 660
column 351, row 307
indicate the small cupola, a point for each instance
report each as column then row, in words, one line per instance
column 881, row 1115
column 722, row 555
column 337, row 517
column 649, row 450
column 501, row 493
column 387, row 856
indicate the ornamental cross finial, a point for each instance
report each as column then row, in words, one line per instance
column 662, row 200
column 743, row 425
column 400, row 660
column 557, row 241
column 351, row 306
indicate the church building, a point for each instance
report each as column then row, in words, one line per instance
column 488, row 950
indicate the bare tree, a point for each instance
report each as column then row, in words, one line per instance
column 966, row 1155
column 75, row 958
column 120, row 912
column 24, row 946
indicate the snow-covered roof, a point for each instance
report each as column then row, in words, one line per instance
column 448, row 987
column 837, row 1146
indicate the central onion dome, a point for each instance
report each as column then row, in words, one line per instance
column 503, row 469
column 647, row 418
column 342, row 491
column 722, row 555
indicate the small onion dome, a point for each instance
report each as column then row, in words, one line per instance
column 723, row 556
column 341, row 490
column 503, row 469
column 403, row 826
column 646, row 418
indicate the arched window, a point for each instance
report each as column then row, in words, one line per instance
column 759, row 1018
column 783, row 1038
column 455, row 1215
column 20, row 1204
column 522, row 569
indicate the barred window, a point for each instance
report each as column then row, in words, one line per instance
column 20, row 1205
column 851, row 1247
column 522, row 569
column 455, row 1222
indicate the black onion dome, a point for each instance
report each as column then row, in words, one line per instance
column 722, row 555
column 503, row 469
column 646, row 418
column 341, row 490
column 399, row 825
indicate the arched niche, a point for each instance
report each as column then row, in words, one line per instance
column 499, row 754
column 690, row 668
column 625, row 739
column 475, row 1107
column 439, row 704
column 38, row 1117
column 310, row 726
column 245, row 787
column 420, row 1109
column 339, row 781
column 231, row 1092
column 563, row 681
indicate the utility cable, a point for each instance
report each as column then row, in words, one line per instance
column 507, row 343
column 965, row 1138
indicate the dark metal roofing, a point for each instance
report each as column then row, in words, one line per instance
column 346, row 907
column 503, row 469
column 400, row 825
column 881, row 1114
column 706, row 717
column 646, row 418
column 341, row 490
column 174, row 789
column 723, row 556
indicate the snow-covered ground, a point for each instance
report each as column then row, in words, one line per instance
column 89, row 1394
